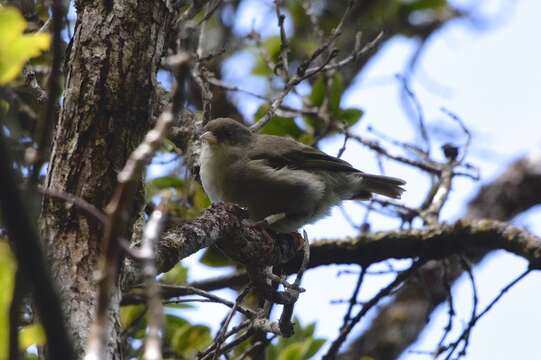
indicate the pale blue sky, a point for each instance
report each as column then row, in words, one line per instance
column 492, row 80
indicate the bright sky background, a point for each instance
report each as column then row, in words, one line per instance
column 492, row 80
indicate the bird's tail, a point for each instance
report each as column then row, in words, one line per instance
column 379, row 184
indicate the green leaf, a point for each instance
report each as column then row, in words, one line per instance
column 426, row 5
column 190, row 339
column 292, row 352
column 17, row 48
column 336, row 91
column 307, row 139
column 176, row 276
column 154, row 186
column 350, row 116
column 7, row 279
column 318, row 92
column 172, row 323
column 174, row 306
column 130, row 313
column 4, row 107
column 271, row 46
column 200, row 199
column 278, row 125
column 317, row 97
column 215, row 258
column 302, row 345
column 170, row 147
column 282, row 126
column 31, row 335
column 165, row 182
column 313, row 347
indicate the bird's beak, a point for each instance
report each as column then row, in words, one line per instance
column 209, row 137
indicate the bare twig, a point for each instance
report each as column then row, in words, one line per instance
column 286, row 327
column 220, row 336
column 77, row 201
column 304, row 71
column 235, row 330
column 466, row 131
column 353, row 298
column 170, row 291
column 151, row 235
column 451, row 310
column 53, row 86
column 410, row 95
column 344, row 332
column 210, row 11
column 284, row 48
column 428, row 166
column 465, row 334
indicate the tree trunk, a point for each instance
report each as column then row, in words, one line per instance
column 110, row 77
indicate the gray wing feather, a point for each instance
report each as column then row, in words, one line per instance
column 289, row 153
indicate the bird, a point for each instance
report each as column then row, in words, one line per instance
column 280, row 181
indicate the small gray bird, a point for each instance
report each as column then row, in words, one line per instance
column 279, row 180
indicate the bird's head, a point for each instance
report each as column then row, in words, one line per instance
column 226, row 131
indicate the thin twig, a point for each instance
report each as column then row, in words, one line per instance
column 353, row 298
column 53, row 86
column 151, row 235
column 235, row 330
column 428, row 166
column 79, row 202
column 466, row 131
column 220, row 336
column 284, row 48
column 286, row 327
column 410, row 95
column 169, row 291
column 452, row 347
column 336, row 344
column 304, row 72
column 451, row 310
column 210, row 11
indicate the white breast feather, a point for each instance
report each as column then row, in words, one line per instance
column 210, row 173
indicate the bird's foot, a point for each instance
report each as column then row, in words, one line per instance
column 282, row 281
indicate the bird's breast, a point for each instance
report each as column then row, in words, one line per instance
column 212, row 173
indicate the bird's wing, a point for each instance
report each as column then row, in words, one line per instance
column 289, row 153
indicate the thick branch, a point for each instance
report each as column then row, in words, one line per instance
column 223, row 222
column 465, row 236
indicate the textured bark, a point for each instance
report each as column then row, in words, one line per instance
column 221, row 224
column 399, row 323
column 114, row 56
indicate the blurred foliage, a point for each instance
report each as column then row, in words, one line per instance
column 301, row 346
column 7, row 279
column 32, row 334
column 271, row 52
column 192, row 199
column 215, row 258
column 178, row 275
column 17, row 48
